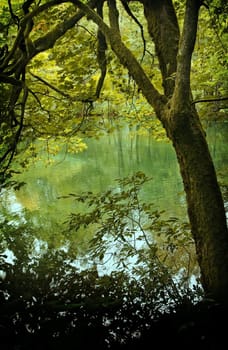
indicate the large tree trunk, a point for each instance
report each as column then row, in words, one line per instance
column 181, row 121
column 204, row 200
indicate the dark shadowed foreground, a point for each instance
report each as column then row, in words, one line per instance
column 107, row 312
column 201, row 327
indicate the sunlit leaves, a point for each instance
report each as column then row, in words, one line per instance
column 47, row 150
column 209, row 65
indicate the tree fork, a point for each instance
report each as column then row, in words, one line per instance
column 164, row 30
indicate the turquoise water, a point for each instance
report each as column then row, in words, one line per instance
column 122, row 153
column 106, row 159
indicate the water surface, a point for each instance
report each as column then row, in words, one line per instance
column 113, row 156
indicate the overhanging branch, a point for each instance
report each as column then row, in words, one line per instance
column 182, row 86
column 129, row 12
column 10, row 80
column 127, row 59
column 50, row 85
column 101, row 52
column 212, row 99
column 48, row 41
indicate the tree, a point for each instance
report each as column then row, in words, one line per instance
column 174, row 105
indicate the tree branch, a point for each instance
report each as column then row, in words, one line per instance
column 164, row 31
column 13, row 145
column 50, row 85
column 101, row 55
column 48, row 41
column 210, row 100
column 10, row 80
column 129, row 12
column 113, row 16
column 182, row 87
column 128, row 60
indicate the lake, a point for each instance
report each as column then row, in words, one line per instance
column 106, row 159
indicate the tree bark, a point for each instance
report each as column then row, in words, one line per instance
column 204, row 200
column 164, row 30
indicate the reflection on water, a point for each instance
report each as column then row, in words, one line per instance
column 112, row 156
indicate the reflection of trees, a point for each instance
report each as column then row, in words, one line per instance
column 104, row 161
column 120, row 152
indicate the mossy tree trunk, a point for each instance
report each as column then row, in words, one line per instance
column 181, row 121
